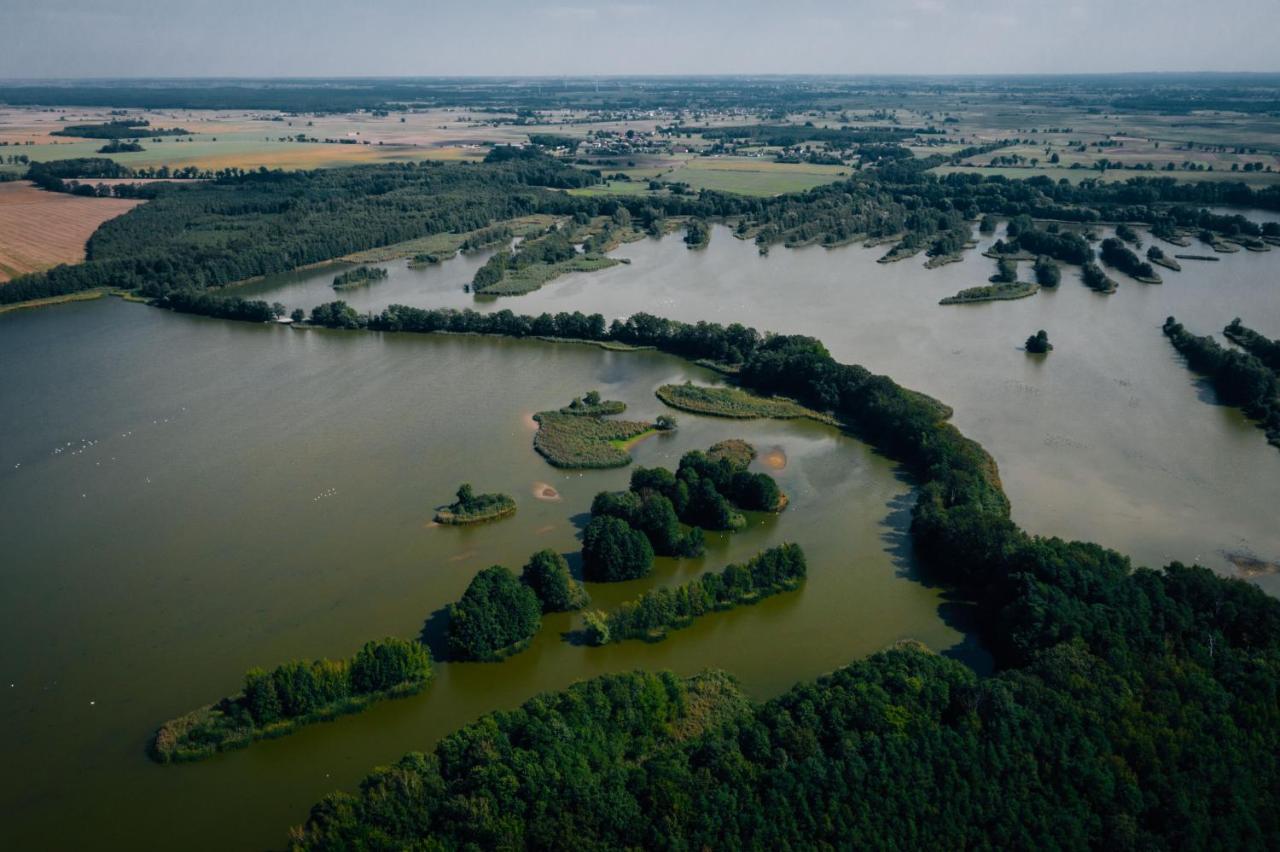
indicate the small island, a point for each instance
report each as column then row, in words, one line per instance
column 426, row 258
column 472, row 508
column 359, row 277
column 583, row 435
column 1038, row 343
column 280, row 701
column 1156, row 255
column 993, row 293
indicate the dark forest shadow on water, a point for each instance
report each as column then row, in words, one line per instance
column 956, row 611
column 1205, row 391
column 961, row 615
column 434, row 634
column 896, row 534
column 574, row 558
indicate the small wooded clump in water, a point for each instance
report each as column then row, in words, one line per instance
column 472, row 508
column 1038, row 343
column 1006, row 272
column 1047, row 272
column 353, row 278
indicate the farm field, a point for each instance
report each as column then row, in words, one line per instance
column 41, row 229
column 743, row 175
column 1255, row 179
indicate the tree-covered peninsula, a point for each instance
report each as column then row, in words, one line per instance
column 277, row 702
column 778, row 569
column 496, row 617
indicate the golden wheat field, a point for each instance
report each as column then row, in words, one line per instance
column 41, row 229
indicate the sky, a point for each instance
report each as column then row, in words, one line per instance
column 325, row 38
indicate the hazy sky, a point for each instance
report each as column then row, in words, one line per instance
column 244, row 38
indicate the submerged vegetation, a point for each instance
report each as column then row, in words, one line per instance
column 277, row 702
column 472, row 508
column 778, row 569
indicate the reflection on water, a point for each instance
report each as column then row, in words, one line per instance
column 182, row 498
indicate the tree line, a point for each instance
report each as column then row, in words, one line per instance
column 778, row 569
column 1239, row 378
column 275, row 702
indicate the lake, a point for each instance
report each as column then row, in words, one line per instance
column 184, row 498
column 1110, row 438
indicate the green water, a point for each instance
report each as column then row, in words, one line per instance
column 182, row 498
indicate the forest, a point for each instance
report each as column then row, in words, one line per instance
column 1130, row 708
column 241, row 225
column 126, row 128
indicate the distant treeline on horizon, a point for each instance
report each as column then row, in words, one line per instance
column 1176, row 92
